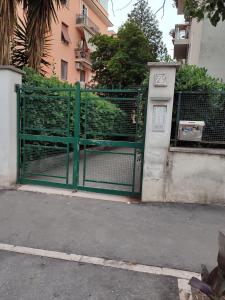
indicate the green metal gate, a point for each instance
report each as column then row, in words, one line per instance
column 83, row 139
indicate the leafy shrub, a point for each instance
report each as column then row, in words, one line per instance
column 48, row 107
column 102, row 116
column 31, row 78
column 208, row 103
column 193, row 78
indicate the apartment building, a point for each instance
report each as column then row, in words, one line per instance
column 70, row 50
column 200, row 43
column 78, row 21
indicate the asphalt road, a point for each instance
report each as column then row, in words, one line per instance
column 31, row 278
column 168, row 235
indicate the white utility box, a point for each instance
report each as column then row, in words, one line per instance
column 191, row 130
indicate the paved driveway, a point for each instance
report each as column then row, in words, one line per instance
column 110, row 168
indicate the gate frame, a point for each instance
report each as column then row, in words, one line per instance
column 76, row 141
column 132, row 145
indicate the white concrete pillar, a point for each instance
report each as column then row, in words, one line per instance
column 9, row 77
column 158, row 130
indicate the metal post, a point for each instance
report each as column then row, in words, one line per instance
column 178, row 117
column 85, row 137
column 76, row 137
column 18, row 133
column 68, row 135
column 144, row 132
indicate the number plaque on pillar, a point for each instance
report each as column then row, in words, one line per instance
column 160, row 80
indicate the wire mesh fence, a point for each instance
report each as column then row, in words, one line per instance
column 87, row 139
column 112, row 135
column 199, row 120
column 113, row 114
column 46, row 126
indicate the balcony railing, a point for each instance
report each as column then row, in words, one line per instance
column 86, row 21
column 83, row 56
column 181, row 32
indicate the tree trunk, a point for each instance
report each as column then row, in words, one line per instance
column 7, row 22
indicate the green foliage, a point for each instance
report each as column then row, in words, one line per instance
column 102, row 114
column 106, row 49
column 123, row 59
column 40, row 15
column 206, row 104
column 32, row 78
column 143, row 16
column 20, row 47
column 214, row 10
column 193, row 78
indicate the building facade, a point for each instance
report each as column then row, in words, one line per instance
column 200, row 43
column 78, row 21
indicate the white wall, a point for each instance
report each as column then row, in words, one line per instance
column 213, row 48
column 195, row 42
column 9, row 77
column 207, row 44
column 195, row 176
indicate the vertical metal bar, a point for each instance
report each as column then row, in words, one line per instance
column 67, row 162
column 76, row 136
column 84, row 165
column 178, row 117
column 85, row 136
column 18, row 134
column 144, row 132
column 134, row 170
column 24, row 131
column 68, row 135
column 136, row 137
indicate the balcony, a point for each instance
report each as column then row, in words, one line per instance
column 83, row 57
column 181, row 41
column 97, row 8
column 83, row 22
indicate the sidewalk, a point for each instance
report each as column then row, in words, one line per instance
column 167, row 235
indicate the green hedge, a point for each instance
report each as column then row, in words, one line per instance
column 193, row 78
column 48, row 107
column 207, row 104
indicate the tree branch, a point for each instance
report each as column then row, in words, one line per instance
column 161, row 8
column 113, row 7
column 126, row 5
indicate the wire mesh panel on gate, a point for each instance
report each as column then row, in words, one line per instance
column 112, row 130
column 46, row 125
column 112, row 114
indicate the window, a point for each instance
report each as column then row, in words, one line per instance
column 84, row 10
column 65, row 34
column 64, row 69
column 65, row 2
column 82, row 76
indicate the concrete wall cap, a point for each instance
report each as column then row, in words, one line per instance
column 164, row 65
column 11, row 68
column 208, row 151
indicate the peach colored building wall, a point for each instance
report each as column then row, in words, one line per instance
column 61, row 51
column 66, row 51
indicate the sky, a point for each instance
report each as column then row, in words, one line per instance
column 166, row 23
